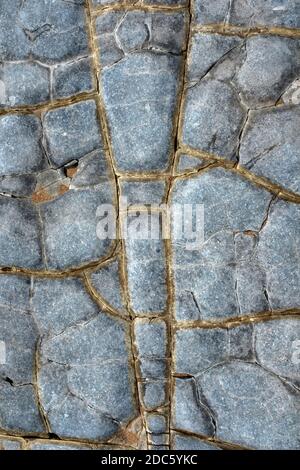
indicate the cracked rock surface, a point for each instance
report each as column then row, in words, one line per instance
column 115, row 115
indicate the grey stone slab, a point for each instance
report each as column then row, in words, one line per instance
column 251, row 13
column 107, row 283
column 24, row 83
column 185, row 442
column 273, row 154
column 211, row 278
column 189, row 413
column 18, row 186
column 59, row 303
column 20, row 335
column 277, row 347
column 252, row 406
column 90, row 171
column 207, row 51
column 187, row 162
column 270, row 66
column 153, row 369
column 151, row 96
column 14, row 292
column 143, row 192
column 72, row 132
column 20, row 236
column 278, row 254
column 151, row 338
column 72, row 78
column 159, row 440
column 70, row 228
column 19, row 410
column 44, row 445
column 146, row 273
column 213, row 118
column 153, row 394
column 110, row 51
column 13, row 41
column 156, row 423
column 10, row 444
column 21, row 151
column 85, row 375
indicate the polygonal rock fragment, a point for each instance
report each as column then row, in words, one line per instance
column 72, row 132
column 143, row 192
column 210, row 276
column 72, row 78
column 213, row 117
column 24, row 84
column 241, row 395
column 274, row 154
column 247, row 13
column 107, row 282
column 151, row 78
column 186, row 442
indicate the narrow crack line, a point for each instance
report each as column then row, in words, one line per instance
column 260, row 181
column 237, row 321
column 211, row 440
column 48, row 106
column 41, row 409
column 241, row 135
column 244, row 32
column 100, row 301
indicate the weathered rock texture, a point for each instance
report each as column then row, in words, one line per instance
column 123, row 343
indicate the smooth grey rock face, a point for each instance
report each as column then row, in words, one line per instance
column 72, row 132
column 237, row 390
column 185, row 442
column 72, row 78
column 143, row 192
column 107, row 283
column 213, row 118
column 24, row 84
column 149, row 72
column 38, row 35
column 21, row 150
column 156, row 423
column 153, row 394
column 278, row 254
column 273, row 154
column 211, row 279
column 251, row 13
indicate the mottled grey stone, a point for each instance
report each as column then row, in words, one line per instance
column 187, row 162
column 18, row 409
column 153, row 369
column 252, row 406
column 19, row 333
column 189, row 413
column 58, row 303
column 85, row 376
column 70, row 224
column 146, row 274
column 270, row 65
column 278, row 254
column 48, row 31
column 159, row 440
column 213, row 118
column 72, row 132
column 209, row 279
column 21, row 151
column 10, row 444
column 14, row 292
column 207, row 51
column 44, row 445
column 241, row 342
column 110, row 51
column 277, row 346
column 20, row 234
column 106, row 281
column 151, row 94
column 24, row 84
column 156, row 423
column 274, row 154
column 91, row 171
column 153, row 394
column 249, row 12
column 143, row 192
column 18, row 186
column 72, row 78
column 151, row 338
column 185, row 442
